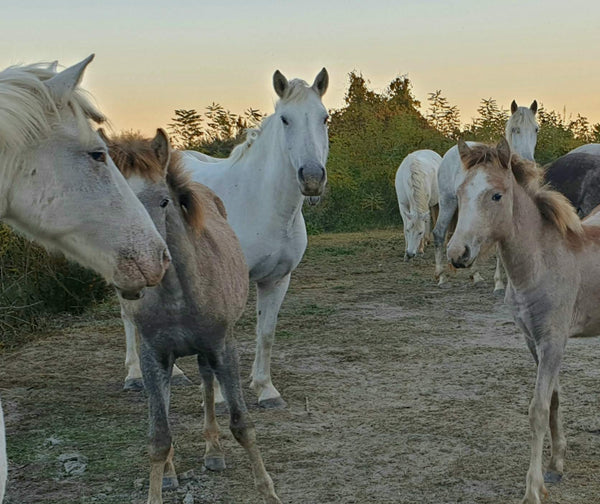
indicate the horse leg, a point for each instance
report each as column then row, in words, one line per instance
column 404, row 223
column 447, row 211
column 213, row 456
column 157, row 380
column 559, row 441
column 269, row 299
column 498, row 283
column 241, row 426
column 133, row 380
column 3, row 459
column 550, row 355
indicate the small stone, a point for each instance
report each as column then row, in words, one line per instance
column 138, row 484
column 75, row 467
column 64, row 457
column 188, row 499
column 187, row 475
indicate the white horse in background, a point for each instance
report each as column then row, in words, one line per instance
column 263, row 184
column 417, row 192
column 521, row 133
column 59, row 187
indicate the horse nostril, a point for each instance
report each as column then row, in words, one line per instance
column 301, row 173
column 466, row 254
column 166, row 258
column 322, row 174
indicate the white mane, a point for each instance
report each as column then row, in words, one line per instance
column 523, row 116
column 27, row 110
column 418, row 183
column 298, row 90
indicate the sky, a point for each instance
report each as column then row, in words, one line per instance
column 153, row 57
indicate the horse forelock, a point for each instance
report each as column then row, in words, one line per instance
column 28, row 112
column 554, row 207
column 297, row 90
column 133, row 155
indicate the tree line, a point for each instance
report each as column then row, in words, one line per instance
column 371, row 134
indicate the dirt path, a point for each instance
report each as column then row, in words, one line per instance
column 415, row 394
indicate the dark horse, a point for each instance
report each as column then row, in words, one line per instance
column 577, row 176
column 193, row 310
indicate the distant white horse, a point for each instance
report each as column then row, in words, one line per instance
column 263, row 184
column 59, row 186
column 417, row 192
column 521, row 132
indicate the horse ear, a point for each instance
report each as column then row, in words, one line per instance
column 280, row 83
column 503, row 149
column 62, row 84
column 513, row 107
column 321, row 82
column 464, row 151
column 162, row 148
column 103, row 136
column 533, row 107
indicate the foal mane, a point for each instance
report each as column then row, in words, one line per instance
column 27, row 110
column 134, row 155
column 554, row 207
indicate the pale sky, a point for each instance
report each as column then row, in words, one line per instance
column 153, row 57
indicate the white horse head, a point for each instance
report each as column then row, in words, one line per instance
column 414, row 232
column 59, row 186
column 522, row 129
column 303, row 121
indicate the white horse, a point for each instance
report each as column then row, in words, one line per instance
column 59, row 186
column 521, row 132
column 263, row 184
column 417, row 192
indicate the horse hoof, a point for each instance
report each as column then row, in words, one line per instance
column 214, row 463
column 170, row 483
column 273, row 403
column 180, row 380
column 134, row 384
column 499, row 293
column 552, row 477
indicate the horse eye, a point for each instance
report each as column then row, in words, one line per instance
column 98, row 156
column 326, row 120
column 164, row 203
column 284, row 120
column 497, row 197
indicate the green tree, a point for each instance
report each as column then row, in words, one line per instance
column 442, row 116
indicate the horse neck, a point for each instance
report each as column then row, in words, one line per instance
column 8, row 182
column 523, row 250
column 267, row 177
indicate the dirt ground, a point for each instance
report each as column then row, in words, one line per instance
column 398, row 391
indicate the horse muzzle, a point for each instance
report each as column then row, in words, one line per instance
column 312, row 178
column 461, row 256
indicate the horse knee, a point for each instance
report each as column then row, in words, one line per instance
column 242, row 428
column 159, row 448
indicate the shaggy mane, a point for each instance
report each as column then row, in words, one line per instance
column 554, row 207
column 28, row 112
column 134, row 155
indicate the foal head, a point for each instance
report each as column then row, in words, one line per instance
column 303, row 119
column 157, row 178
column 484, row 202
column 522, row 129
